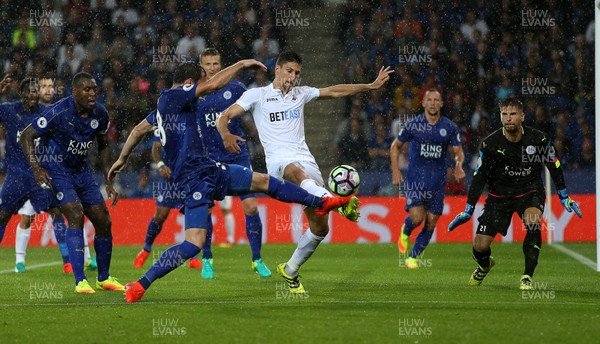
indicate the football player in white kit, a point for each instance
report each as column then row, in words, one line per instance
column 278, row 111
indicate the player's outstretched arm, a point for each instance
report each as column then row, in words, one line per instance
column 344, row 90
column 222, row 78
column 42, row 178
column 230, row 141
column 395, row 150
column 133, row 140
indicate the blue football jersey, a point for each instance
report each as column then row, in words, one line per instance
column 428, row 150
column 15, row 119
column 67, row 136
column 185, row 153
column 208, row 111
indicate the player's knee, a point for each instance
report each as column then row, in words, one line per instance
column 260, row 182
column 25, row 221
column 196, row 236
column 320, row 227
column 250, row 208
column 74, row 218
column 416, row 219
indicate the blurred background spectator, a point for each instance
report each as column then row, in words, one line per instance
column 476, row 53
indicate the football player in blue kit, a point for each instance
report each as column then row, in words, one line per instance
column 202, row 179
column 167, row 198
column 68, row 130
column 430, row 136
column 208, row 110
column 20, row 190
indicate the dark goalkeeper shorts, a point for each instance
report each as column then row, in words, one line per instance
column 498, row 211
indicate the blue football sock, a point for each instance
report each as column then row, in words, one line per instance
column 421, row 242
column 206, row 250
column 103, row 247
column 151, row 234
column 2, row 230
column 75, row 245
column 409, row 226
column 254, row 234
column 60, row 229
column 169, row 261
column 291, row 193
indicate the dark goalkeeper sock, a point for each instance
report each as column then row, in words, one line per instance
column 482, row 258
column 532, row 244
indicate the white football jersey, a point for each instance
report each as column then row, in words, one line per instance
column 280, row 121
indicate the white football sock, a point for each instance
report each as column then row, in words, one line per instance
column 21, row 241
column 230, row 227
column 86, row 247
column 312, row 188
column 306, row 246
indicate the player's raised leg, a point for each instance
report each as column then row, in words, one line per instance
column 243, row 180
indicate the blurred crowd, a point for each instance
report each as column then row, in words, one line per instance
column 476, row 53
column 131, row 48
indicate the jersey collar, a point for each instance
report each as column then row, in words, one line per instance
column 504, row 131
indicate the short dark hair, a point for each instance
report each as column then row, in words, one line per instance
column 433, row 89
column 511, row 101
column 79, row 77
column 28, row 82
column 209, row 52
column 288, row 56
column 186, row 70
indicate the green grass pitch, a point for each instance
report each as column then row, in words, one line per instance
column 356, row 294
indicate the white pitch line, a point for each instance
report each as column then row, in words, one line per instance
column 31, row 267
column 233, row 302
column 583, row 260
